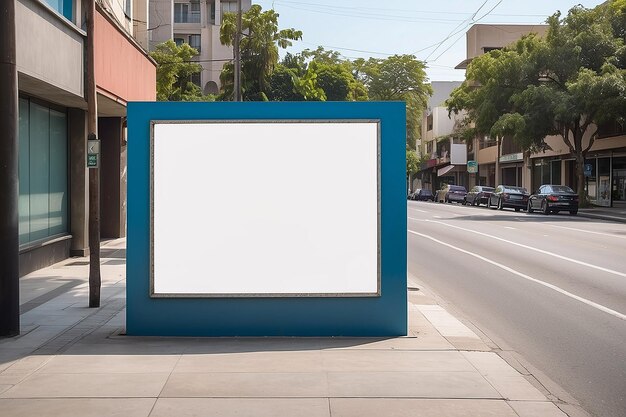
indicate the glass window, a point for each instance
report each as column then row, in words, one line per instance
column 64, row 7
column 43, row 201
column 181, row 12
column 194, row 41
column 179, row 41
column 555, row 168
column 24, row 173
column 194, row 14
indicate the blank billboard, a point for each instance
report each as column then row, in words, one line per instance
column 265, row 208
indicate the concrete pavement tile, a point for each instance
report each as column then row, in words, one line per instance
column 410, row 384
column 88, row 385
column 30, row 363
column 110, row 364
column 395, row 361
column 222, row 384
column 489, row 362
column 72, row 407
column 4, row 387
column 444, row 322
column 514, row 387
column 468, row 343
column 34, row 339
column 376, row 407
column 535, row 408
column 13, row 378
column 298, row 361
column 412, row 342
column 238, row 407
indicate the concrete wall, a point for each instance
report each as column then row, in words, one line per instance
column 141, row 22
column 497, row 36
column 117, row 9
column 161, row 18
column 487, row 155
column 49, row 48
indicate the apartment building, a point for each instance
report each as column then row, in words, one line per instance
column 446, row 155
column 197, row 23
column 499, row 160
column 502, row 161
column 53, row 173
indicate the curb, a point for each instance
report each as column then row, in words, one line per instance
column 602, row 217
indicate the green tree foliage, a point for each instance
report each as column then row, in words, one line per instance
column 259, row 50
column 412, row 162
column 565, row 84
column 174, row 71
column 399, row 77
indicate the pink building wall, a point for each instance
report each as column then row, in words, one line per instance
column 123, row 70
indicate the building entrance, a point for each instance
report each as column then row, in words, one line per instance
column 618, row 188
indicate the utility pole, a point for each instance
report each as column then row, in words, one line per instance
column 94, row 172
column 497, row 178
column 9, row 185
column 237, row 51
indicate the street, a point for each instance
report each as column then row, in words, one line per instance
column 551, row 288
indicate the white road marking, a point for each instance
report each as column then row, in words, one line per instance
column 529, row 278
column 421, row 211
column 587, row 231
column 436, row 217
column 545, row 252
column 509, row 227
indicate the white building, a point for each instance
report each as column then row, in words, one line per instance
column 196, row 22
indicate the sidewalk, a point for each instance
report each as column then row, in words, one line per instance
column 615, row 214
column 74, row 361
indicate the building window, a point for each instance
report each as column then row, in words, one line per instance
column 179, row 41
column 195, row 78
column 187, row 12
column 64, row 7
column 611, row 129
column 127, row 9
column 194, row 42
column 229, row 7
column 43, row 183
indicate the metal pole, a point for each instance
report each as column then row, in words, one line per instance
column 94, row 173
column 237, row 51
column 9, row 185
column 497, row 178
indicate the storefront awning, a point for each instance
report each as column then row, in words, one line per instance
column 444, row 170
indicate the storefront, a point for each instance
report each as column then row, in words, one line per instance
column 606, row 182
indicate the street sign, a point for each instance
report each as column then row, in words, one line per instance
column 93, row 153
column 92, row 160
column 587, row 170
column 472, row 167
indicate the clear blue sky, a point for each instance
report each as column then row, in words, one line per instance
column 433, row 31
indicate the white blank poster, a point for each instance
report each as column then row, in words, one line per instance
column 265, row 209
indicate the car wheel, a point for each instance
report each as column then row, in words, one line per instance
column 573, row 212
column 529, row 209
column 500, row 204
column 464, row 202
column 544, row 207
column 489, row 203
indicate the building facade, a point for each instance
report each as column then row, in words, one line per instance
column 53, row 173
column 502, row 161
column 197, row 23
column 445, row 156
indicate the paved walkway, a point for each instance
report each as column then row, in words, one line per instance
column 616, row 214
column 74, row 361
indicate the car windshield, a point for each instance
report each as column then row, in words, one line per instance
column 488, row 189
column 457, row 188
column 561, row 189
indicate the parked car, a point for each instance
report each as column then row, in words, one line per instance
column 508, row 196
column 451, row 193
column 553, row 198
column 423, row 195
column 478, row 195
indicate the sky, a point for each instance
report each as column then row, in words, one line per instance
column 433, row 31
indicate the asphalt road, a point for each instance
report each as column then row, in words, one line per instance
column 552, row 288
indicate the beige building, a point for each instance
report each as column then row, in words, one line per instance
column 197, row 23
column 502, row 161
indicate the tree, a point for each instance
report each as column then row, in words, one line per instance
column 566, row 84
column 399, row 77
column 174, row 71
column 412, row 163
column 259, row 50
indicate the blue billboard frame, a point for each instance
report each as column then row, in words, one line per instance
column 385, row 315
